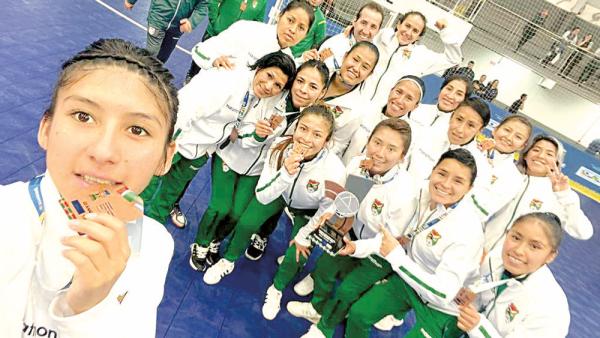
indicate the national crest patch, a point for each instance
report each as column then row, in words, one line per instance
column 511, row 312
column 312, row 185
column 535, row 204
column 432, row 238
column 376, row 207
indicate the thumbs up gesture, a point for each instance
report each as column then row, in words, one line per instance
column 388, row 242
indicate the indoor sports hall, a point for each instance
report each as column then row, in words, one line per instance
column 36, row 36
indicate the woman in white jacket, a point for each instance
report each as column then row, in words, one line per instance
column 437, row 255
column 520, row 297
column 400, row 55
column 383, row 206
column 542, row 188
column 343, row 93
column 244, row 42
column 403, row 99
column 212, row 106
column 96, row 276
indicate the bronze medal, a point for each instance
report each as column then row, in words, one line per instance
column 234, row 135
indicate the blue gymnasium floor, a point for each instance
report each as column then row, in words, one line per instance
column 36, row 36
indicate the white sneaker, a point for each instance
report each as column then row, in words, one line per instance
column 304, row 310
column 305, row 286
column 313, row 332
column 272, row 303
column 280, row 259
column 388, row 322
column 215, row 273
column 178, row 217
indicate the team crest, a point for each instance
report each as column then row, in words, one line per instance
column 376, row 207
column 432, row 238
column 336, row 111
column 406, row 53
column 535, row 204
column 312, row 185
column 494, row 178
column 511, row 312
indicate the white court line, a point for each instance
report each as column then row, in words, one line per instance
column 139, row 25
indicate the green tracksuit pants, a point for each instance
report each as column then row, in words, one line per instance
column 250, row 222
column 358, row 275
column 164, row 191
column 229, row 197
column 396, row 297
column 289, row 268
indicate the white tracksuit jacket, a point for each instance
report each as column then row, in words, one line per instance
column 360, row 138
column 209, row 106
column 427, row 153
column 247, row 154
column 429, row 116
column 244, row 42
column 130, row 308
column 349, row 109
column 305, row 189
column 440, row 259
column 535, row 195
column 396, row 61
column 534, row 307
column 339, row 44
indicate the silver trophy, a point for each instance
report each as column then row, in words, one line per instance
column 330, row 235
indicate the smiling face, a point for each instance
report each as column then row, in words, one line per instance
column 450, row 180
column 292, row 27
column 527, row 247
column 315, row 3
column 357, row 65
column 541, row 158
column 464, row 124
column 511, row 136
column 409, row 30
column 307, row 88
column 312, row 131
column 385, row 148
column 452, row 95
column 403, row 98
column 97, row 135
column 367, row 25
column 268, row 82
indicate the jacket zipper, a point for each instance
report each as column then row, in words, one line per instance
column 294, row 185
column 385, row 71
column 174, row 15
column 256, row 160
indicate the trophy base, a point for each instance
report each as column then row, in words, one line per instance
column 328, row 239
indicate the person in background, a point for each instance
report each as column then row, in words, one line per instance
column 532, row 27
column 585, row 44
column 450, row 71
column 590, row 69
column 364, row 28
column 518, row 105
column 558, row 47
column 167, row 21
column 490, row 91
column 315, row 34
column 478, row 85
column 466, row 71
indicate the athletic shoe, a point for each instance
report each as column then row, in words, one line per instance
column 280, row 259
column 215, row 273
column 198, row 257
column 178, row 217
column 313, row 332
column 304, row 310
column 388, row 322
column 272, row 303
column 257, row 247
column 213, row 253
column 305, row 286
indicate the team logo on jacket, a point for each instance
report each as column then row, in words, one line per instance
column 535, row 204
column 406, row 53
column 312, row 185
column 432, row 238
column 336, row 111
column 494, row 178
column 511, row 312
column 376, row 207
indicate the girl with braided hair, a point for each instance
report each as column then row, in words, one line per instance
column 91, row 276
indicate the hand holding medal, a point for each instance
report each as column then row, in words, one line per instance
column 296, row 155
column 263, row 128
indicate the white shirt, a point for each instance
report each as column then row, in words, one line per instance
column 130, row 308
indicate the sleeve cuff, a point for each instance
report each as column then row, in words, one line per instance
column 367, row 247
column 258, row 138
column 396, row 257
